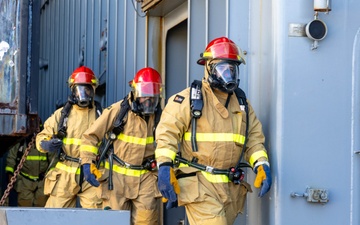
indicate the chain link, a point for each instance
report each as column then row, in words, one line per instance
column 17, row 171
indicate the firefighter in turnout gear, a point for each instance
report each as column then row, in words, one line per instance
column 128, row 169
column 62, row 135
column 30, row 181
column 219, row 135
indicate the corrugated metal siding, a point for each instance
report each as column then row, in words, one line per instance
column 209, row 19
column 72, row 31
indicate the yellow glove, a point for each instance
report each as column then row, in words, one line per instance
column 263, row 179
column 260, row 176
column 91, row 173
column 174, row 182
column 95, row 171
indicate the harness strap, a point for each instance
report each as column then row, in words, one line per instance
column 98, row 109
column 196, row 105
column 63, row 157
column 120, row 122
column 63, row 119
column 148, row 164
column 157, row 118
column 240, row 94
column 19, row 154
column 235, row 174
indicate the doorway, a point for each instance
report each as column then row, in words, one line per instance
column 175, row 68
column 175, row 62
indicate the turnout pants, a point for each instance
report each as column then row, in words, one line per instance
column 208, row 203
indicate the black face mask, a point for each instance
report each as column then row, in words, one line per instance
column 146, row 107
column 83, row 95
column 224, row 76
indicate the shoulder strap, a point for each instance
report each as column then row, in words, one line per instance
column 63, row 120
column 157, row 115
column 20, row 153
column 65, row 114
column 98, row 108
column 124, row 109
column 196, row 101
column 240, row 94
column 196, row 106
column 120, row 122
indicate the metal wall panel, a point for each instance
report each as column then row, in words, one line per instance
column 355, row 132
column 18, row 96
column 309, row 113
column 74, row 33
column 290, row 88
column 198, row 37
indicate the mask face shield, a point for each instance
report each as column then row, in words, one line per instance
column 226, row 75
column 147, row 105
column 147, row 89
column 148, row 95
column 83, row 94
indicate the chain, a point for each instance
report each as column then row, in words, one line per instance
column 17, row 171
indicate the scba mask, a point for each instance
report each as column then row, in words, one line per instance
column 224, row 75
column 146, row 95
column 83, row 95
column 147, row 105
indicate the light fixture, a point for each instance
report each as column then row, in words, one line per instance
column 316, row 29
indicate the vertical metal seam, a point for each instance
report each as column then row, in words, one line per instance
column 206, row 21
column 353, row 125
column 68, row 38
column 116, row 48
column 62, row 49
column 99, row 32
column 135, row 40
column 146, row 39
column 188, row 45
column 124, row 44
column 107, row 55
column 227, row 8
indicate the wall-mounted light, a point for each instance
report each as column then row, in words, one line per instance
column 316, row 29
column 322, row 6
